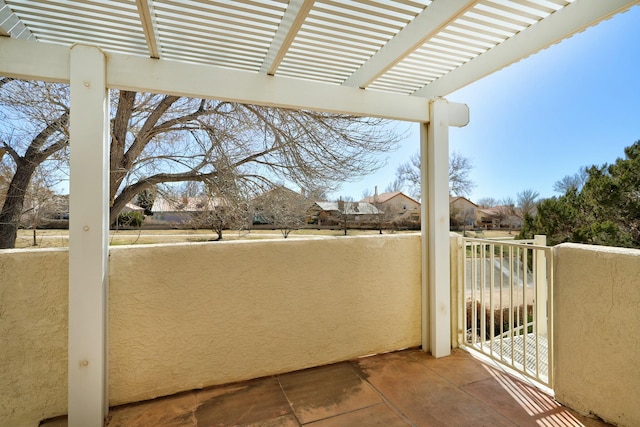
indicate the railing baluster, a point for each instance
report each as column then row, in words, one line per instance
column 483, row 290
column 492, row 320
column 521, row 287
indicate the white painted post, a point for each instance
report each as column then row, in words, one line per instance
column 88, row 237
column 541, row 286
column 434, row 152
column 425, row 232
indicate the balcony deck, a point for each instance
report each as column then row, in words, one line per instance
column 395, row 389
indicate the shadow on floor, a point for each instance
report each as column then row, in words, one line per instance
column 405, row 388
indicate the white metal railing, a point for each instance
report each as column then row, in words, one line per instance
column 506, row 303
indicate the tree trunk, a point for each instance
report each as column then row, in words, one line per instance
column 13, row 205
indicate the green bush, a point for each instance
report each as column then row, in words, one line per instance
column 130, row 219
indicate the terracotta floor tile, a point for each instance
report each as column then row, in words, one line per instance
column 378, row 415
column 327, row 391
column 460, row 367
column 425, row 397
column 57, row 422
column 173, row 411
column 284, row 421
column 524, row 404
column 248, row 403
column 397, row 389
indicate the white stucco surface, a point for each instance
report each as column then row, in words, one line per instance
column 186, row 316
column 33, row 335
column 597, row 319
column 189, row 316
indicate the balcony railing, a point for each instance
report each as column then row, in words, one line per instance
column 507, row 286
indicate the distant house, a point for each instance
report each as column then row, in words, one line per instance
column 463, row 212
column 183, row 209
column 333, row 212
column 396, row 206
column 131, row 207
column 497, row 217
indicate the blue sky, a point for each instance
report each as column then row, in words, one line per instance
column 574, row 104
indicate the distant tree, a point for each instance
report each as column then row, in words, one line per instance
column 40, row 204
column 395, row 185
column 487, row 202
column 224, row 206
column 145, row 200
column 526, row 202
column 576, row 181
column 561, row 219
column 34, row 121
column 160, row 140
column 285, row 208
column 606, row 211
column 460, row 184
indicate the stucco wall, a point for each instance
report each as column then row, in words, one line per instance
column 597, row 319
column 186, row 316
column 189, row 316
column 33, row 335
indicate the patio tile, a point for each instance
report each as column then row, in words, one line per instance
column 257, row 402
column 284, row 421
column 459, row 368
column 327, row 391
column 378, row 415
column 424, row 396
column 173, row 411
column 396, row 389
column 524, row 404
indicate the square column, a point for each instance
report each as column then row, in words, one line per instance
column 434, row 164
column 88, row 237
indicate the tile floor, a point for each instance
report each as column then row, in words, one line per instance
column 406, row 388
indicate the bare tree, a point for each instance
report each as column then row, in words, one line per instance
column 575, row 181
column 224, row 205
column 395, row 185
column 505, row 213
column 384, row 216
column 158, row 139
column 34, row 119
column 459, row 182
column 286, row 209
column 40, row 204
column 487, row 202
column 527, row 200
column 409, row 175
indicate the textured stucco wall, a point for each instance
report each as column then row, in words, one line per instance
column 33, row 335
column 189, row 316
column 597, row 319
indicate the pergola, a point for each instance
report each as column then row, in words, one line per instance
column 394, row 59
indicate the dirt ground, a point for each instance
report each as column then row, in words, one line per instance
column 60, row 238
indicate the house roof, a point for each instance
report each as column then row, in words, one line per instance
column 186, row 204
column 453, row 199
column 385, row 197
column 422, row 48
column 131, row 207
column 350, row 208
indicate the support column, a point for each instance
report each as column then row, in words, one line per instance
column 541, row 286
column 88, row 237
column 434, row 156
